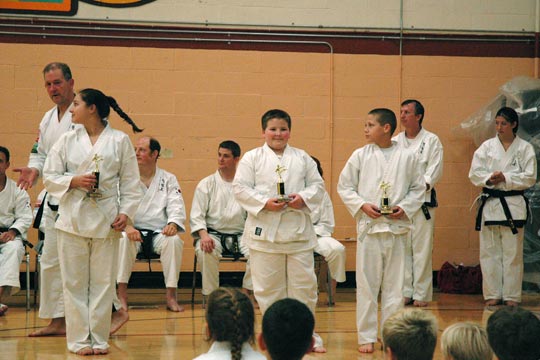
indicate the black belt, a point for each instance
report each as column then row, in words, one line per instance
column 229, row 244
column 3, row 229
column 432, row 204
column 147, row 247
column 52, row 207
column 501, row 195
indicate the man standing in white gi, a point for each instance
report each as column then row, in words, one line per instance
column 15, row 219
column 161, row 212
column 59, row 85
column 214, row 211
column 418, row 282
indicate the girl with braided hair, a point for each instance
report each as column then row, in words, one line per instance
column 230, row 322
column 94, row 173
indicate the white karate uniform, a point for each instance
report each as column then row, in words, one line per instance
column 162, row 204
column 87, row 245
column 332, row 250
column 221, row 350
column 15, row 213
column 281, row 242
column 501, row 252
column 418, row 282
column 51, row 300
column 215, row 207
column 380, row 260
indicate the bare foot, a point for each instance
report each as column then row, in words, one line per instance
column 85, row 351
column 174, row 306
column 57, row 327
column 100, row 351
column 319, row 349
column 493, row 302
column 118, row 319
column 366, row 348
column 511, row 303
column 407, row 301
column 420, row 303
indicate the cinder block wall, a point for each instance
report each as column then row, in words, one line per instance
column 192, row 99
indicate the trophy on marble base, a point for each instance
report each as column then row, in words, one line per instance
column 94, row 192
column 282, row 197
column 385, row 208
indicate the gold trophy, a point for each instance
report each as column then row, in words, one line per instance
column 385, row 208
column 94, row 192
column 281, row 185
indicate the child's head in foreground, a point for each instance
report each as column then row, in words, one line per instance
column 230, row 317
column 410, row 334
column 465, row 341
column 287, row 330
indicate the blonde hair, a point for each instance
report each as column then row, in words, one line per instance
column 411, row 334
column 465, row 341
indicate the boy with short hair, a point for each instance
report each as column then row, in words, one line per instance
column 380, row 173
column 279, row 231
column 410, row 334
column 513, row 334
column 287, row 327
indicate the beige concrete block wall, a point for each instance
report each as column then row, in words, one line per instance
column 192, row 99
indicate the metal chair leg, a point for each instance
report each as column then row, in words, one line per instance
column 27, row 259
column 194, row 281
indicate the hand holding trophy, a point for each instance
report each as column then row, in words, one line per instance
column 282, row 197
column 94, row 192
column 385, row 208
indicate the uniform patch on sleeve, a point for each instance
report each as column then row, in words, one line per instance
column 258, row 231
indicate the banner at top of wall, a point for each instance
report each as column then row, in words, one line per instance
column 61, row 7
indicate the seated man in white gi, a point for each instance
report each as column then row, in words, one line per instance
column 215, row 213
column 332, row 250
column 15, row 219
column 161, row 214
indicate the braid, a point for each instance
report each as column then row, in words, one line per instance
column 123, row 115
column 236, row 339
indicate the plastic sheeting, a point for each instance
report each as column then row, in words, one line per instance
column 523, row 95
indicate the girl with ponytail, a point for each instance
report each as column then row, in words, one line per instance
column 94, row 173
column 230, row 322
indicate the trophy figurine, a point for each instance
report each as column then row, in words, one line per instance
column 281, row 185
column 385, row 208
column 94, row 192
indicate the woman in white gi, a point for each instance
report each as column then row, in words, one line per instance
column 89, row 226
column 504, row 167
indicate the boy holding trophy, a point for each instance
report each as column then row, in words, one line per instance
column 279, row 186
column 381, row 187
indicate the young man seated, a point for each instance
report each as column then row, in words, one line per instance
column 15, row 219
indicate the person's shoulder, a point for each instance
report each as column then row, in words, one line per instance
column 17, row 191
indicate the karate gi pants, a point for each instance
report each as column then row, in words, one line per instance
column 334, row 254
column 51, row 297
column 169, row 248
column 501, row 260
column 11, row 256
column 418, row 282
column 277, row 276
column 380, row 263
column 209, row 265
column 89, row 271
